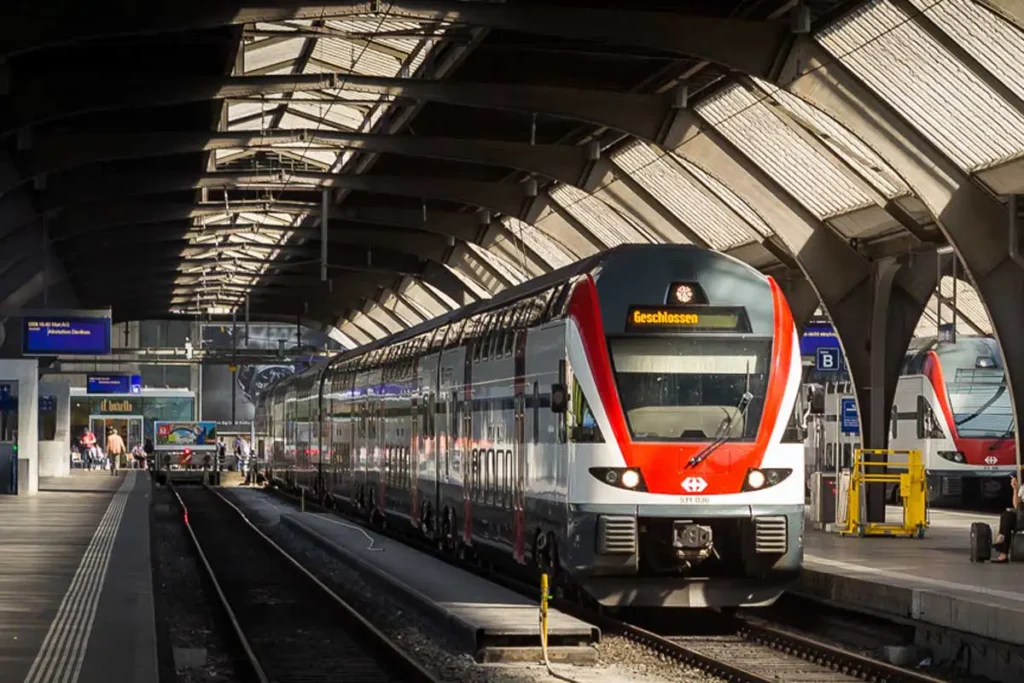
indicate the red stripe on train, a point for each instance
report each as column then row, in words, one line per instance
column 662, row 464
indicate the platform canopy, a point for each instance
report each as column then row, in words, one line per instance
column 183, row 159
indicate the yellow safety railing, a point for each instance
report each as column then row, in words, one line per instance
column 913, row 493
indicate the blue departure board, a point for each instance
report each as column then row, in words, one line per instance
column 113, row 384
column 66, row 336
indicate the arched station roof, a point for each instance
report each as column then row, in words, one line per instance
column 181, row 160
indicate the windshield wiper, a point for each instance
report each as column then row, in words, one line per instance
column 723, row 431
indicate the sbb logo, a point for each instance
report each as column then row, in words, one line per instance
column 694, row 484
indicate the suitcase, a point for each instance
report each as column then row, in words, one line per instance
column 981, row 542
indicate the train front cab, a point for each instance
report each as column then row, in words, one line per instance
column 661, row 521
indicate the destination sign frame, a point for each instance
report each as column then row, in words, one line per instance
column 113, row 384
column 68, row 336
column 691, row 319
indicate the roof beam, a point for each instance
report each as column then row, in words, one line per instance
column 738, row 44
column 507, row 198
column 642, row 115
column 423, row 244
column 974, row 222
column 340, row 233
column 143, row 215
column 389, row 261
column 60, row 152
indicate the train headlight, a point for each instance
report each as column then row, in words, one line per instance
column 953, row 456
column 630, row 479
column 620, row 477
column 758, row 479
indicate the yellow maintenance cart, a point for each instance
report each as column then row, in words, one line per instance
column 913, row 493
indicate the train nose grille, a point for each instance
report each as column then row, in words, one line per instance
column 616, row 535
column 770, row 535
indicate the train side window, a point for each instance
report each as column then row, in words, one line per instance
column 584, row 427
column 894, row 420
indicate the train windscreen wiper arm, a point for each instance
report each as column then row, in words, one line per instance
column 726, row 425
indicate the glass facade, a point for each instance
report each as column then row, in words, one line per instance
column 117, row 407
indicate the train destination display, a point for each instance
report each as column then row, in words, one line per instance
column 66, row 336
column 696, row 318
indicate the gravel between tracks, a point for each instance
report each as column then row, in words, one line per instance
column 621, row 659
column 185, row 600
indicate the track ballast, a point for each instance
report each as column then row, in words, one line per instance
column 292, row 628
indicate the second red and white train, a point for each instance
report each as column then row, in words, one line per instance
column 618, row 423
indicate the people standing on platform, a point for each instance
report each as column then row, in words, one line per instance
column 148, row 448
column 138, row 455
column 1008, row 525
column 115, row 449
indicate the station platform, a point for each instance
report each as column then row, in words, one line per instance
column 76, row 596
column 488, row 619
column 929, row 580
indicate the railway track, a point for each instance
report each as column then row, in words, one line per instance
column 741, row 650
column 750, row 651
column 291, row 627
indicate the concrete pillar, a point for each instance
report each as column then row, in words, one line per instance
column 26, row 373
column 974, row 222
column 55, row 453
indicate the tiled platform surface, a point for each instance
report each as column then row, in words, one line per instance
column 76, row 602
column 930, row 580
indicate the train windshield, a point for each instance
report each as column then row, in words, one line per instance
column 976, row 385
column 686, row 388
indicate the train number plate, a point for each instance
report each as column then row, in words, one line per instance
column 694, row 500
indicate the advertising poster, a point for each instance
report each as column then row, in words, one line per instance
column 174, row 436
column 251, row 380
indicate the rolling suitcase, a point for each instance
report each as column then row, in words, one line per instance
column 981, row 542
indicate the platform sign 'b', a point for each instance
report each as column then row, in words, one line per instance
column 827, row 359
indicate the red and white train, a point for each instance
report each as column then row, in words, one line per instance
column 952, row 403
column 618, row 423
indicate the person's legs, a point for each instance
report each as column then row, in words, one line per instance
column 1007, row 525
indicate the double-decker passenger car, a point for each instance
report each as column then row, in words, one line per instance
column 617, row 423
column 952, row 403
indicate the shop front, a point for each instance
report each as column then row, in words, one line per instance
column 132, row 415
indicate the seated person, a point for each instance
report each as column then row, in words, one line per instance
column 1007, row 525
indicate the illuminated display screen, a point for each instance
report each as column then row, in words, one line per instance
column 66, row 336
column 688, row 318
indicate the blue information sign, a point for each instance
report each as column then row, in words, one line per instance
column 66, row 336
column 828, row 360
column 113, row 384
column 47, row 404
column 848, row 420
column 817, row 335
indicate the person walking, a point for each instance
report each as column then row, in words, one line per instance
column 115, row 449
